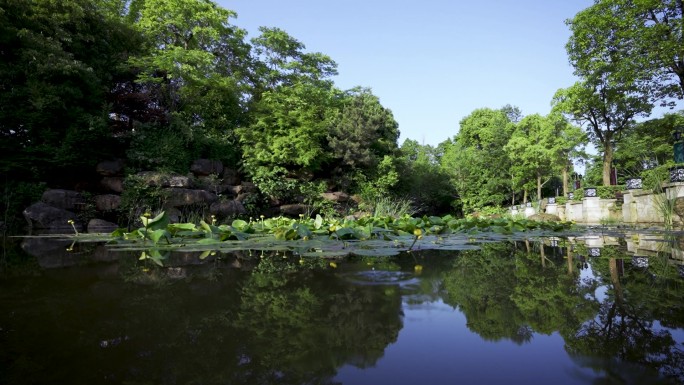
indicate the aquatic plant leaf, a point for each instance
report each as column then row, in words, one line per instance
column 240, row 224
column 156, row 235
column 207, row 241
column 157, row 223
column 318, row 223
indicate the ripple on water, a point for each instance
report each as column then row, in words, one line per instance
column 382, row 277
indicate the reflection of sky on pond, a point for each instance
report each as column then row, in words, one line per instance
column 439, row 349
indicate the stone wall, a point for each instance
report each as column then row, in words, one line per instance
column 638, row 207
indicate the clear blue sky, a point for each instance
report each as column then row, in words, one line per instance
column 432, row 62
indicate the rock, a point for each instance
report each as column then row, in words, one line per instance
column 230, row 177
column 107, row 202
column 112, row 183
column 183, row 197
column 679, row 207
column 101, row 226
column 179, row 181
column 210, row 183
column 247, row 187
column 337, row 196
column 63, row 199
column 110, row 167
column 244, row 188
column 161, row 179
column 206, row 167
column 295, row 209
column 545, row 217
column 224, row 209
column 174, row 214
column 43, row 216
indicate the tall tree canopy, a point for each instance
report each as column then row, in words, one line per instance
column 606, row 109
column 363, row 132
column 58, row 60
column 540, row 148
column 476, row 159
column 644, row 39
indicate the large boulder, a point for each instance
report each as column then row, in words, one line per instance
column 225, row 209
column 161, row 179
column 107, row 202
column 110, row 167
column 184, row 197
column 101, row 226
column 204, row 167
column 230, row 177
column 337, row 196
column 679, row 207
column 112, row 183
column 43, row 216
column 295, row 209
column 63, row 199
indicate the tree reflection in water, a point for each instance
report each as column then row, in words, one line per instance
column 512, row 291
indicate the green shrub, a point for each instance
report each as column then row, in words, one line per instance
column 653, row 178
column 139, row 197
column 16, row 196
column 561, row 200
column 609, row 192
column 578, row 194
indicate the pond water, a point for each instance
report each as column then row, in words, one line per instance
column 539, row 311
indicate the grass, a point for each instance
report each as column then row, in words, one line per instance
column 392, row 207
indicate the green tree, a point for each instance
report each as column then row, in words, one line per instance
column 540, row 148
column 643, row 39
column 194, row 69
column 58, row 60
column 362, row 132
column 647, row 145
column 423, row 180
column 476, row 160
column 606, row 108
column 287, row 136
column 294, row 106
column 284, row 62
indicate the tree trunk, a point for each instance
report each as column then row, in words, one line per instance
column 570, row 261
column 607, row 161
column 565, row 179
column 524, row 196
column 539, row 186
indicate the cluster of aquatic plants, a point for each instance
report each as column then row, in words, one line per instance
column 321, row 237
column 386, row 228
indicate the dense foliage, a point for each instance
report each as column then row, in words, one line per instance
column 160, row 83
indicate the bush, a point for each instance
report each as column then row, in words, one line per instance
column 578, row 194
column 609, row 192
column 653, row 178
column 139, row 197
column 16, row 197
column 561, row 200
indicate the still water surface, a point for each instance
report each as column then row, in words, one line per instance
column 509, row 313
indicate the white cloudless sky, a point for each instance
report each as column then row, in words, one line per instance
column 432, row 62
